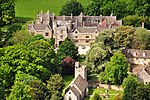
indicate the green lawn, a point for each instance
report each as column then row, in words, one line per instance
column 102, row 91
column 29, row 8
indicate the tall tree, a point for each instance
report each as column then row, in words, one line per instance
column 55, row 85
column 141, row 39
column 46, row 53
column 130, row 85
column 123, row 36
column 67, row 49
column 100, row 51
column 71, row 7
column 7, row 12
column 142, row 93
column 116, row 70
column 27, row 87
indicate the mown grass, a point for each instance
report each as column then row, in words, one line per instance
column 103, row 91
column 29, row 8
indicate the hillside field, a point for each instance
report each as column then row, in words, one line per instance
column 29, row 8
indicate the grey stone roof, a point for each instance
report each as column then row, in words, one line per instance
column 133, row 53
column 81, row 83
column 86, row 29
column 39, row 27
column 75, row 91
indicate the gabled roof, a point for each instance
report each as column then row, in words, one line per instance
column 75, row 91
column 81, row 83
column 87, row 29
column 39, row 27
column 133, row 53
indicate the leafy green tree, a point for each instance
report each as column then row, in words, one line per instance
column 116, row 70
column 20, row 37
column 142, row 93
column 141, row 39
column 123, row 36
column 130, row 85
column 67, row 49
column 7, row 12
column 93, row 8
column 100, row 51
column 132, row 20
column 8, row 32
column 55, row 83
column 21, row 89
column 56, row 96
column 34, row 38
column 55, row 86
column 71, row 7
column 1, row 38
column 19, row 57
column 138, row 7
column 27, row 87
column 96, row 97
column 46, row 53
column 119, row 8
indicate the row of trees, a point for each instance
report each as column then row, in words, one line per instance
column 29, row 65
column 133, row 12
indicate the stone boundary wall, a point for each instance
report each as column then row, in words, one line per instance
column 114, row 87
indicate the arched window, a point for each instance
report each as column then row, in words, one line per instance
column 144, row 54
column 70, row 98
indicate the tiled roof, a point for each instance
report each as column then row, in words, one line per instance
column 75, row 91
column 39, row 27
column 81, row 83
column 86, row 29
column 133, row 53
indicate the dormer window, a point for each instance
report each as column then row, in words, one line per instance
column 134, row 53
column 144, row 54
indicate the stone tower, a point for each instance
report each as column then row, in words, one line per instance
column 80, row 70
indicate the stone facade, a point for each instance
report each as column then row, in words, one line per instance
column 82, row 30
column 78, row 88
column 139, row 63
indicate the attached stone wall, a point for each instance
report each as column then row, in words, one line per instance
column 114, row 87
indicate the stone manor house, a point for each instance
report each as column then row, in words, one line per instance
column 82, row 30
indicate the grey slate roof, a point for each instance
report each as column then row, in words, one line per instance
column 39, row 27
column 129, row 53
column 81, row 83
column 86, row 29
column 75, row 91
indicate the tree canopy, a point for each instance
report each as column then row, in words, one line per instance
column 115, row 70
column 100, row 51
column 7, row 12
column 71, row 7
column 67, row 49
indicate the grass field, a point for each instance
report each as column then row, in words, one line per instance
column 29, row 8
column 103, row 91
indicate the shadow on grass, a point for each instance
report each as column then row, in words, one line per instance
column 23, row 19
